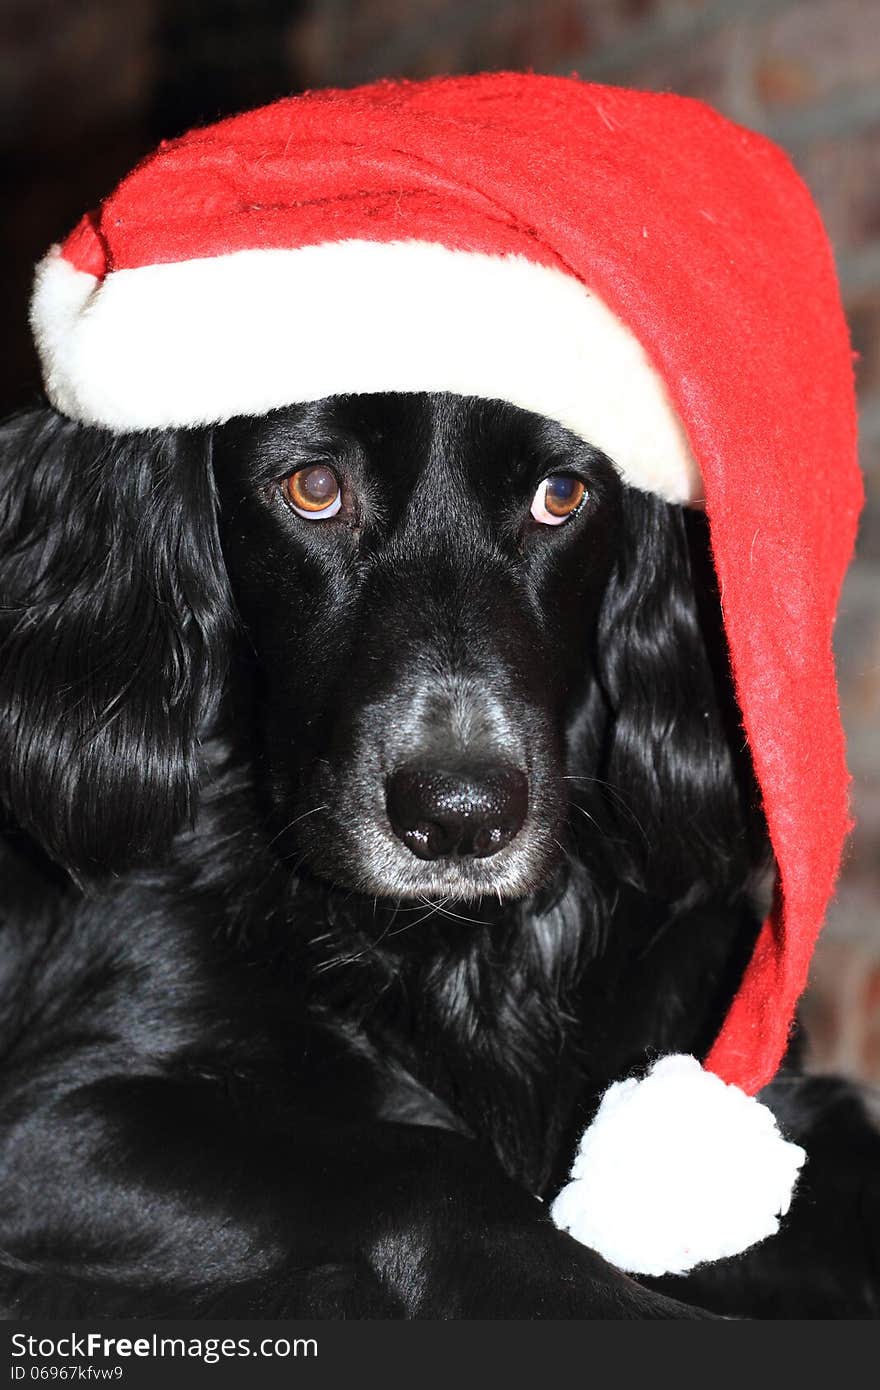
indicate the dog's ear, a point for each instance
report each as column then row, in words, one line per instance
column 686, row 801
column 113, row 620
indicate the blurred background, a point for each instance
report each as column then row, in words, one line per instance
column 87, row 86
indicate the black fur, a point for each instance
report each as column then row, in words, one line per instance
column 258, row 1058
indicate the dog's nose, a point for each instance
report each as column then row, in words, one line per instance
column 439, row 812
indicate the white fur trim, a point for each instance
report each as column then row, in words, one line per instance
column 198, row 341
column 677, row 1169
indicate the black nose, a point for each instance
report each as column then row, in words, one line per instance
column 438, row 812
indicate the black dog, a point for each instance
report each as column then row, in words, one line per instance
column 363, row 825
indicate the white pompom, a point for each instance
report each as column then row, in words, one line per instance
column 677, row 1169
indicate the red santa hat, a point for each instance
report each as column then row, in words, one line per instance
column 651, row 276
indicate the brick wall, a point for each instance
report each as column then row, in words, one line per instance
column 87, row 85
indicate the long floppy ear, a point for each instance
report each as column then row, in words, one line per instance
column 113, row 621
column 675, row 750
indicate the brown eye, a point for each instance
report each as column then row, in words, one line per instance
column 557, row 498
column 313, row 492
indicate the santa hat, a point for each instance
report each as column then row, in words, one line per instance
column 633, row 266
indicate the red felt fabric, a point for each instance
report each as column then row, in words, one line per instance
column 702, row 238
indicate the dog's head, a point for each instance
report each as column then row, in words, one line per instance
column 419, row 577
column 430, row 623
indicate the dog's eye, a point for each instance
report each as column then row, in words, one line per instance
column 313, row 492
column 557, row 498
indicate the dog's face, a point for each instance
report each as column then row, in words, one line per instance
column 419, row 578
column 452, row 612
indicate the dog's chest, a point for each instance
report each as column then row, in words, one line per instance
column 501, row 1064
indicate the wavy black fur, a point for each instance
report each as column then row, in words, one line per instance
column 252, row 1063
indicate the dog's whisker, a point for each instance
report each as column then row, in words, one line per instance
column 296, row 820
column 586, row 814
column 616, row 793
column 459, row 917
column 432, row 907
